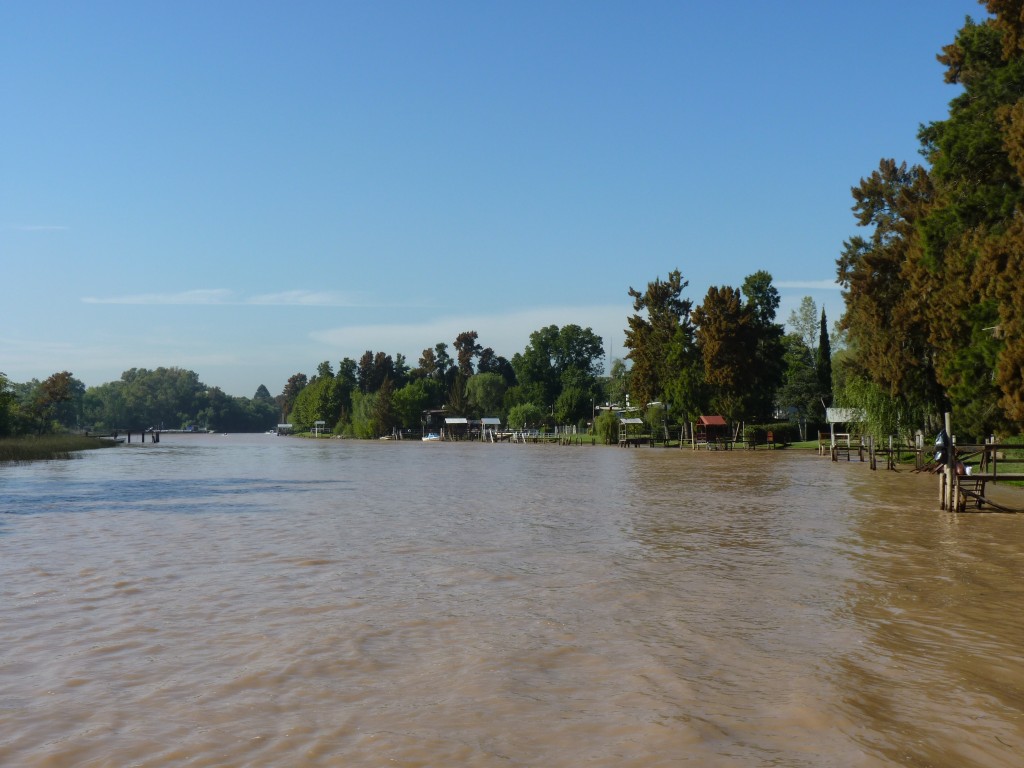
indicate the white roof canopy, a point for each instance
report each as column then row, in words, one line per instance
column 843, row 415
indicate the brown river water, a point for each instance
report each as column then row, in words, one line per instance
column 262, row 601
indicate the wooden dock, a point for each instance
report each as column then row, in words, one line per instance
column 125, row 435
column 968, row 492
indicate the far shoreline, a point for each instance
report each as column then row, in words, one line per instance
column 18, row 450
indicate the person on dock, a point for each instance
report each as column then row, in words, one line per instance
column 958, row 466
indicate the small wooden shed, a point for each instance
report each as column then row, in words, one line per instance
column 711, row 428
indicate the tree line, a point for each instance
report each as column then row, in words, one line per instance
column 163, row 398
column 934, row 317
column 728, row 355
column 557, row 378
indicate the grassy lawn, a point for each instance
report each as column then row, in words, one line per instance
column 42, row 448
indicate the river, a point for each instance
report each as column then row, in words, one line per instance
column 254, row 600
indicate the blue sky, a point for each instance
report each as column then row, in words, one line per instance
column 248, row 189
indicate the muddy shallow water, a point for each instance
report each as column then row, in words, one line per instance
column 259, row 601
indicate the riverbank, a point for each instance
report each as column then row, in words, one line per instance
column 47, row 447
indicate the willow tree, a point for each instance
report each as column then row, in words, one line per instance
column 313, row 403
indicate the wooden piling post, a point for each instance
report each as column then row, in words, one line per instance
column 950, row 465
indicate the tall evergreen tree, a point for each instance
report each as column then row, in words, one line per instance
column 762, row 302
column 365, row 372
column 934, row 315
column 661, row 343
column 383, row 409
column 466, row 350
column 886, row 329
column 727, row 340
column 823, row 363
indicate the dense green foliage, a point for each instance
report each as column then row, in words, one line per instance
column 782, row 433
column 165, row 398
column 557, row 378
column 662, row 347
column 606, row 427
column 726, row 356
column 934, row 310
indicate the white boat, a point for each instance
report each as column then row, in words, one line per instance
column 431, row 437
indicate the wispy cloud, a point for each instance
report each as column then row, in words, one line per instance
column 300, row 298
column 809, row 285
column 228, row 297
column 196, row 297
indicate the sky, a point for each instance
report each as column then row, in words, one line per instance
column 247, row 189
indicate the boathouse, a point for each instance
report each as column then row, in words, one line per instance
column 631, row 431
column 710, row 430
column 835, row 442
column 489, row 428
column 455, row 428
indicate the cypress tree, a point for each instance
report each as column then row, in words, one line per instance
column 823, row 362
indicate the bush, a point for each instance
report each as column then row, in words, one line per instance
column 525, row 416
column 782, row 432
column 606, row 427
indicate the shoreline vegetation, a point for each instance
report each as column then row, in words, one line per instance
column 14, row 450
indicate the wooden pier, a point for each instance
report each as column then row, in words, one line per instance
column 962, row 487
column 125, row 435
column 962, row 492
